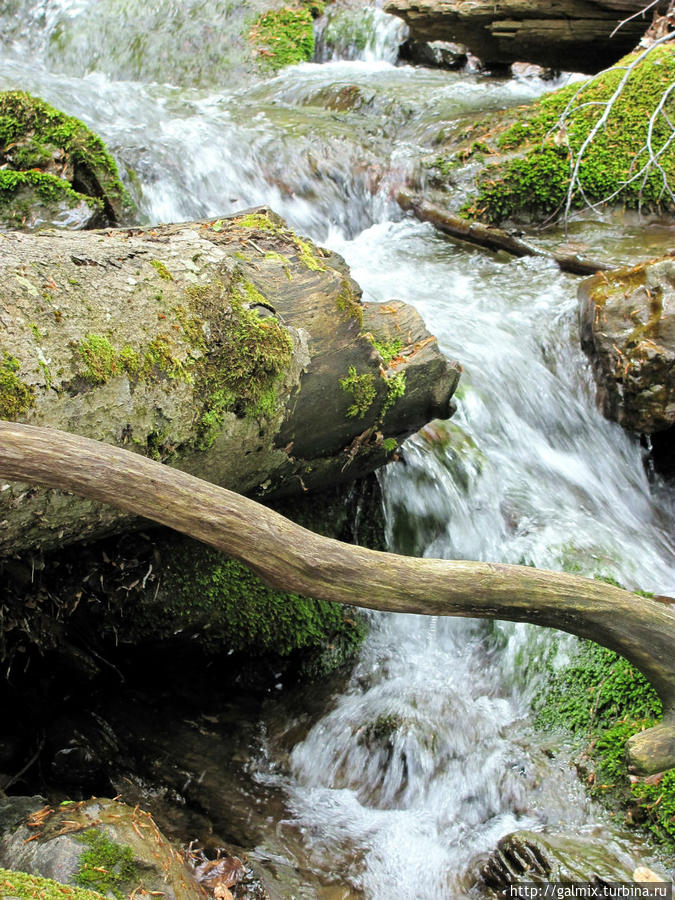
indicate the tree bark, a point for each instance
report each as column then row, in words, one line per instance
column 294, row 559
column 232, row 349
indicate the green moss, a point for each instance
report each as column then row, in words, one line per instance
column 537, row 183
column 161, row 269
column 33, row 887
column 16, row 188
column 237, row 611
column 100, row 358
column 363, row 390
column 395, row 390
column 160, row 356
column 258, row 221
column 129, row 361
column 15, row 396
column 604, row 700
column 348, row 301
column 308, row 257
column 272, row 254
column 251, row 355
column 106, row 867
column 390, row 444
column 283, row 37
column 388, row 350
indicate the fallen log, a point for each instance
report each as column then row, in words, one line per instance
column 493, row 238
column 290, row 557
column 231, row 348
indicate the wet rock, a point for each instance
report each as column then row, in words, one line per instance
column 573, row 35
column 628, row 330
column 435, row 54
column 526, row 856
column 99, row 844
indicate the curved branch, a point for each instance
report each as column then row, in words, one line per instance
column 294, row 559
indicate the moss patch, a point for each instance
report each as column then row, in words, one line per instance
column 17, row 189
column 32, row 887
column 283, row 37
column 105, row 866
column 604, row 700
column 206, row 591
column 348, row 301
column 537, row 181
column 363, row 391
column 15, row 396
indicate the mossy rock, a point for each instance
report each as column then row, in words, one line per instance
column 21, row 886
column 524, row 158
column 55, row 171
column 604, row 700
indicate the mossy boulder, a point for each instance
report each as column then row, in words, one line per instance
column 603, row 700
column 628, row 330
column 517, row 165
column 285, row 37
column 96, row 848
column 54, row 170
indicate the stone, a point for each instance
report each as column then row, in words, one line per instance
column 628, row 331
column 572, row 35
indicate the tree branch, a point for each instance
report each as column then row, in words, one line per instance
column 290, row 557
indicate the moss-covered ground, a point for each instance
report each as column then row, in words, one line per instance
column 56, row 155
column 529, row 160
column 603, row 700
column 32, row 887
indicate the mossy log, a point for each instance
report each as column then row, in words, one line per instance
column 293, row 558
column 232, row 349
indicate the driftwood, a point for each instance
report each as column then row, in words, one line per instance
column 493, row 238
column 290, row 557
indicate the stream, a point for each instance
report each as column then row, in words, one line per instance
column 426, row 756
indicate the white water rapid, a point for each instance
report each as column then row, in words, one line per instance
column 428, row 757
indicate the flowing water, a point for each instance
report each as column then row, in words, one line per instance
column 427, row 758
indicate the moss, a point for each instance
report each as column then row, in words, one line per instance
column 363, row 390
column 395, row 390
column 308, row 257
column 160, row 356
column 161, row 269
column 129, row 361
column 251, row 355
column 388, row 349
column 381, row 730
column 259, row 222
column 105, row 866
column 15, row 396
column 538, row 181
column 283, row 37
column 206, row 591
column 32, row 130
column 390, row 444
column 33, row 887
column 603, row 699
column 100, row 358
column 272, row 254
column 16, row 188
column 348, row 301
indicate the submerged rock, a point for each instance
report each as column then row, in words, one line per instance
column 628, row 330
column 98, row 844
column 53, row 170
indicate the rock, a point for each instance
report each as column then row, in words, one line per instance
column 53, row 170
column 232, row 349
column 527, row 856
column 628, row 330
column 573, row 35
column 99, row 844
column 436, row 54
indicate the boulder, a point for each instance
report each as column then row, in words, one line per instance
column 628, row 331
column 573, row 35
column 99, row 844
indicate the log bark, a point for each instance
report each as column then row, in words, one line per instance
column 225, row 348
column 572, row 35
column 292, row 558
column 492, row 238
